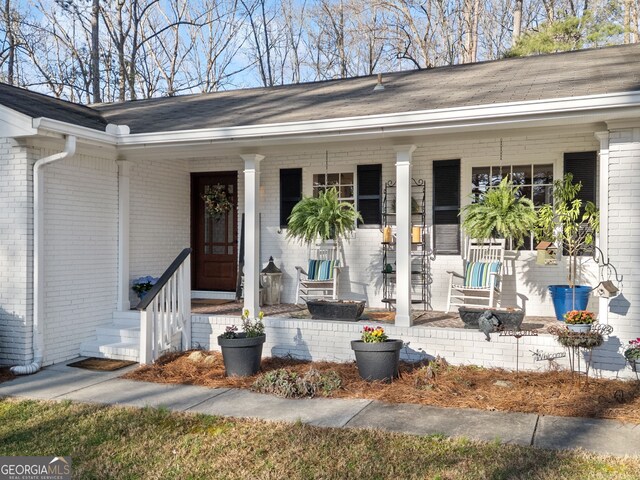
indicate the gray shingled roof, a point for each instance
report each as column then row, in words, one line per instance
column 585, row 72
column 37, row 105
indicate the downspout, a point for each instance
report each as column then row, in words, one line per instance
column 38, row 260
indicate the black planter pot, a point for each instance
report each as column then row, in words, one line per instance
column 510, row 318
column 377, row 361
column 241, row 355
column 335, row 309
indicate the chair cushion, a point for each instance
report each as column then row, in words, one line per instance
column 321, row 269
column 477, row 274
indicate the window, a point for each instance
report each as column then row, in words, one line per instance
column 342, row 181
column 446, row 205
column 290, row 192
column 535, row 182
column 369, row 194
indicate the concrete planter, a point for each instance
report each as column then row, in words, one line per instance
column 510, row 318
column 579, row 327
column 335, row 309
column 241, row 355
column 377, row 361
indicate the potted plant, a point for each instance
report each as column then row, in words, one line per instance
column 242, row 351
column 571, row 226
column 632, row 353
column 501, row 213
column 377, row 356
column 324, row 217
column 142, row 285
column 579, row 320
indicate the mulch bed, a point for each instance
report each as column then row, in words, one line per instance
column 546, row 393
column 5, row 374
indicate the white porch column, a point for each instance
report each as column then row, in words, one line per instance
column 123, row 235
column 403, row 234
column 603, row 205
column 252, row 233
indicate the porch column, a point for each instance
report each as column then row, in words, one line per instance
column 123, row 235
column 603, row 205
column 403, row 234
column 252, row 233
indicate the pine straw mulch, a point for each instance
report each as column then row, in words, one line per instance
column 5, row 374
column 546, row 393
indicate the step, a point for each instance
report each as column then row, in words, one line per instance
column 129, row 318
column 213, row 295
column 119, row 333
column 116, row 350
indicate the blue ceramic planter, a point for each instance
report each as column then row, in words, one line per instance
column 562, row 296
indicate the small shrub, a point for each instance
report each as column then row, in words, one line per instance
column 288, row 384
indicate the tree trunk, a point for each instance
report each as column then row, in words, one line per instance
column 517, row 22
column 95, row 51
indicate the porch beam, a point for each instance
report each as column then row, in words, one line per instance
column 252, row 233
column 124, row 194
column 403, row 234
column 603, row 206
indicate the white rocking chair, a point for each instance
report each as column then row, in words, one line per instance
column 320, row 280
column 480, row 283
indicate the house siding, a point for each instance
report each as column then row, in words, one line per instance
column 81, row 250
column 15, row 259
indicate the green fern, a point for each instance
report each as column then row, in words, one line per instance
column 500, row 213
column 324, row 217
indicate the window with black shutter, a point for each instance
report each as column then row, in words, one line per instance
column 290, row 192
column 370, row 194
column 446, row 206
column 582, row 165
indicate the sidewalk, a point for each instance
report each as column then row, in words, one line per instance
column 60, row 382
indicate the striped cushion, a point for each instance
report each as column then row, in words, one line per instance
column 476, row 274
column 321, row 269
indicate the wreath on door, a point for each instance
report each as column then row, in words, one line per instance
column 217, row 200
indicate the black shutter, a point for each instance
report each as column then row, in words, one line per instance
column 290, row 192
column 583, row 167
column 446, row 206
column 370, row 194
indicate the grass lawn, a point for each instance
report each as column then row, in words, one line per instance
column 111, row 442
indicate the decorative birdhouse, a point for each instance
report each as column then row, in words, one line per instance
column 547, row 254
column 605, row 289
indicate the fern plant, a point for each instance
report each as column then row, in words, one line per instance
column 324, row 217
column 500, row 213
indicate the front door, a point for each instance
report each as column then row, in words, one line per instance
column 214, row 230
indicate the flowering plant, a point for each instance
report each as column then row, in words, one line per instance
column 576, row 317
column 143, row 284
column 250, row 328
column 632, row 352
column 216, row 200
column 373, row 335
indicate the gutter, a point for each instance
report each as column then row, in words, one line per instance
column 38, row 254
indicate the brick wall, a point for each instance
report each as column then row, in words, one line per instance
column 321, row 340
column 624, row 231
column 81, row 249
column 15, row 261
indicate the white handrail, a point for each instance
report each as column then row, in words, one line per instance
column 165, row 316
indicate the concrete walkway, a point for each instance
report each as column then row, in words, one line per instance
column 60, row 382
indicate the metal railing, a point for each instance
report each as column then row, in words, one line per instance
column 165, row 311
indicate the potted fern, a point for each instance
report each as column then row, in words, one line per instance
column 324, row 217
column 573, row 226
column 501, row 213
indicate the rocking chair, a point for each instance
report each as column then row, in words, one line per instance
column 480, row 284
column 320, row 280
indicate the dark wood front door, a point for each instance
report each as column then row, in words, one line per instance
column 215, row 236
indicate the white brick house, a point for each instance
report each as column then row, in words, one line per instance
column 119, row 203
